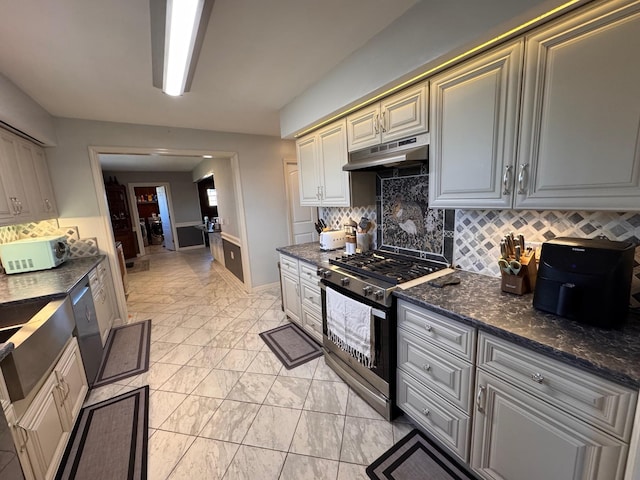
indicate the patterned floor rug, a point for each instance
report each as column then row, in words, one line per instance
column 110, row 440
column 291, row 345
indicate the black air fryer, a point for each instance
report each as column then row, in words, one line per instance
column 587, row 280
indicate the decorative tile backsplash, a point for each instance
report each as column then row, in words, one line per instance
column 79, row 247
column 335, row 217
column 478, row 234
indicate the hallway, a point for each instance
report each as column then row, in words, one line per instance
column 221, row 404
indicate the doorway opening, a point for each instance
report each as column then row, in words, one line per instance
column 152, row 217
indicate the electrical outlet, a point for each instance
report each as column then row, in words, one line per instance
column 232, row 256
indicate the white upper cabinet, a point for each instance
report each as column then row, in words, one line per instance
column 26, row 193
column 580, row 137
column 474, row 115
column 321, row 156
column 397, row 116
column 14, row 206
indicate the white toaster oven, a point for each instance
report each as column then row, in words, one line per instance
column 30, row 254
column 332, row 240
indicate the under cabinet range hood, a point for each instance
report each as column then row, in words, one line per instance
column 399, row 153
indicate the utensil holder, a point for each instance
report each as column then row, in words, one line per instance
column 525, row 281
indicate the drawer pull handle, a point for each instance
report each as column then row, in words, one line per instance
column 426, row 412
column 426, row 367
column 537, row 377
column 428, row 327
column 480, row 398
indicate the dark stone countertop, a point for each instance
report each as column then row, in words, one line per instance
column 55, row 282
column 479, row 301
column 311, row 253
column 5, row 349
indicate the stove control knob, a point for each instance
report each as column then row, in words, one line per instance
column 367, row 290
column 344, row 281
column 379, row 294
column 326, row 273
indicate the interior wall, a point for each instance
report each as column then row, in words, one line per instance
column 421, row 38
column 184, row 193
column 260, row 163
column 225, row 187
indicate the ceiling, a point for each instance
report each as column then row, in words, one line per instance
column 91, row 59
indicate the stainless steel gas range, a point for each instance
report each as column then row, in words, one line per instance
column 358, row 289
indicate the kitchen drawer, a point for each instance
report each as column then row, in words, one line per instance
column 312, row 323
column 444, row 421
column 289, row 264
column 452, row 336
column 311, row 296
column 308, row 273
column 444, row 373
column 593, row 399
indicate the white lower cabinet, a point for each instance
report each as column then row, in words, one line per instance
column 301, row 295
column 104, row 298
column 519, row 437
column 41, row 434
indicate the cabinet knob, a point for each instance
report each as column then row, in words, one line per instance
column 426, row 367
column 426, row 412
column 428, row 327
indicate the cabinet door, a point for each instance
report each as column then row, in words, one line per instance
column 404, row 114
column 13, row 172
column 28, row 174
column 474, row 114
column 332, row 151
column 73, row 381
column 518, row 437
column 363, row 128
column 307, row 149
column 291, row 297
column 43, row 431
column 50, row 208
column 580, row 133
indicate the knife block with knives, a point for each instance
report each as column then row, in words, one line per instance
column 517, row 266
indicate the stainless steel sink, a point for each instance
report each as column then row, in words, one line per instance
column 39, row 331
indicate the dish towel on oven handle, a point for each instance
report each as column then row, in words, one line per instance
column 350, row 326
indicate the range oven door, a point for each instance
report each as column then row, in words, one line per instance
column 375, row 385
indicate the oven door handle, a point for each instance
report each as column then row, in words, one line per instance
column 374, row 311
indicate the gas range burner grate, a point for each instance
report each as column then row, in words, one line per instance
column 391, row 268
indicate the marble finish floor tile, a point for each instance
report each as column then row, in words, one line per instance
column 300, row 466
column 250, row 341
column 177, row 334
column 231, row 421
column 351, row 471
column 159, row 350
column 205, row 458
column 306, row 370
column 165, row 450
column 208, row 357
column 157, row 374
column 180, row 354
column 324, row 372
column 251, row 463
column 357, row 407
column 288, row 392
column 237, row 360
column 202, row 337
column 318, row 435
column 364, row 440
column 252, row 387
column 186, row 379
column 327, row 397
column 266, row 363
column 217, row 384
column 273, row 428
column 163, row 405
column 191, row 415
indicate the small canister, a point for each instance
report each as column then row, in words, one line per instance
column 350, row 244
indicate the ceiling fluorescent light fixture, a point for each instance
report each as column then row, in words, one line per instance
column 177, row 33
